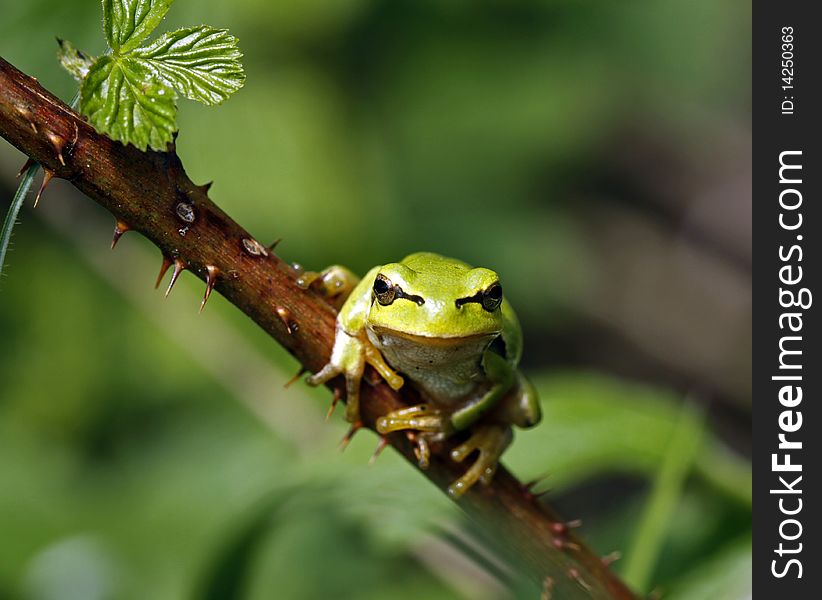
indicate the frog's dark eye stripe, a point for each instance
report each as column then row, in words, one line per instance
column 490, row 298
column 385, row 292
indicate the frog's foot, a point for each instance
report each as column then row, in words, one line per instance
column 346, row 359
column 491, row 441
column 422, row 418
column 422, row 449
column 352, row 389
column 335, row 283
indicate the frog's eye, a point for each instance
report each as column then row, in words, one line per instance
column 492, row 297
column 489, row 299
column 384, row 290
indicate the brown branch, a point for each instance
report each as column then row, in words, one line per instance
column 150, row 193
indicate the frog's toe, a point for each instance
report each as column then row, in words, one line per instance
column 422, row 448
column 491, row 441
column 328, row 372
column 352, row 397
column 421, row 418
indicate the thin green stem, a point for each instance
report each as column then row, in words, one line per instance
column 682, row 450
column 14, row 210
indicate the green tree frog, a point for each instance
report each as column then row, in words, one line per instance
column 446, row 327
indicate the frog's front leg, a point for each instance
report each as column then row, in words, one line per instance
column 352, row 349
column 347, row 358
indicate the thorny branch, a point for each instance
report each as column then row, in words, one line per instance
column 149, row 192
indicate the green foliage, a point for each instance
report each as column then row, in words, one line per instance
column 127, row 23
column 131, row 93
column 202, row 63
column 127, row 104
column 73, row 60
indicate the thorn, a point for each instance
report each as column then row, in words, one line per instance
column 296, row 377
column 561, row 544
column 528, row 488
column 58, row 143
column 562, row 528
column 334, row 400
column 33, row 127
column 285, row 317
column 274, row 244
column 380, row 447
column 573, row 573
column 179, row 267
column 211, row 279
column 559, row 528
column 350, row 435
column 163, row 268
column 205, row 187
column 557, row 543
column 119, row 229
column 47, row 175
column 611, row 558
column 25, row 168
column 547, row 589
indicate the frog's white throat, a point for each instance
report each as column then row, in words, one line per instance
column 447, row 369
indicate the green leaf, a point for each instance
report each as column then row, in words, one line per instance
column 127, row 23
column 73, row 60
column 202, row 63
column 724, row 576
column 127, row 103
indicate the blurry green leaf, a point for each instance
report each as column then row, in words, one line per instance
column 122, row 99
column 228, row 577
column 652, row 529
column 725, row 576
column 73, row 60
column 202, row 63
column 126, row 23
column 594, row 424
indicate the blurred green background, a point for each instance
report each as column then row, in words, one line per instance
column 596, row 154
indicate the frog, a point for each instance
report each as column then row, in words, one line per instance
column 445, row 326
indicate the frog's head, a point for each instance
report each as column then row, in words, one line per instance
column 431, row 298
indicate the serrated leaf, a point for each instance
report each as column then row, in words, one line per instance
column 128, row 104
column 202, row 63
column 127, row 23
column 73, row 60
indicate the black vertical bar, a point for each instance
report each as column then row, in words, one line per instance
column 787, row 222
